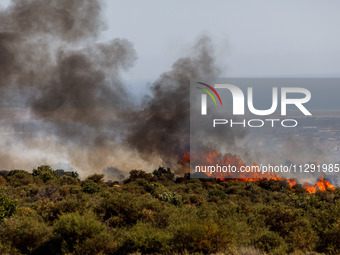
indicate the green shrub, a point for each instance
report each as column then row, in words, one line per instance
column 171, row 197
column 273, row 185
column 281, row 219
column 91, row 187
column 24, row 232
column 18, row 178
column 271, row 242
column 196, row 199
column 154, row 187
column 102, row 243
column 235, row 188
column 45, row 173
column 299, row 189
column 124, row 210
column 3, row 181
column 146, row 239
column 215, row 193
column 73, row 230
column 330, row 242
column 8, row 206
column 68, row 180
column 197, row 235
column 228, row 217
column 164, row 174
column 50, row 210
column 7, row 249
column 139, row 174
column 97, row 178
column 302, row 237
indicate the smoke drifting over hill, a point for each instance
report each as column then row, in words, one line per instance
column 163, row 126
column 63, row 101
column 69, row 87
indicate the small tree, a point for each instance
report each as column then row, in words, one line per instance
column 18, row 178
column 45, row 172
column 62, row 172
column 25, row 233
column 91, row 187
column 139, row 174
column 96, row 178
column 3, row 181
column 8, row 206
column 171, row 197
column 164, row 174
column 73, row 230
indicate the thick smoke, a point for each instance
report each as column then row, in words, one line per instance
column 114, row 174
column 32, row 31
column 63, row 101
column 162, row 127
column 52, row 63
column 79, row 110
column 83, row 93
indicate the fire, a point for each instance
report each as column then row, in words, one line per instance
column 185, row 160
column 322, row 185
column 213, row 157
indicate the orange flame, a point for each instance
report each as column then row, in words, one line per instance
column 213, row 157
column 322, row 184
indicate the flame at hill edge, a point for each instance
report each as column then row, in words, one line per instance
column 213, row 157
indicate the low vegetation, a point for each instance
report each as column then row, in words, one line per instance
column 54, row 212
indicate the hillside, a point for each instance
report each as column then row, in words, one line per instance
column 54, row 212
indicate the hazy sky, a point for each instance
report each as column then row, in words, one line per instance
column 252, row 38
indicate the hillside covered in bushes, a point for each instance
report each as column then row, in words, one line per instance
column 54, row 212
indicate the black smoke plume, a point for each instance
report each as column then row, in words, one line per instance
column 52, row 63
column 68, row 86
column 162, row 127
